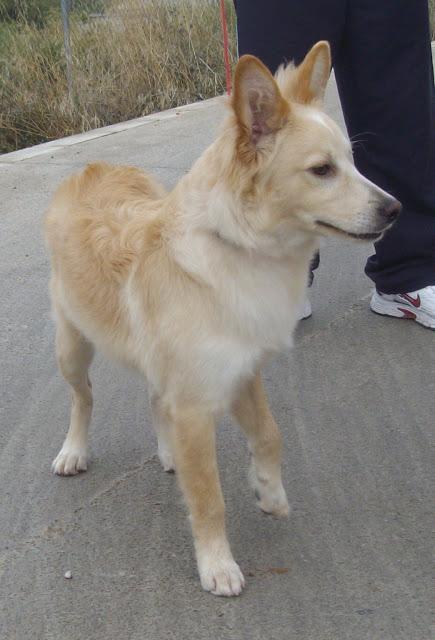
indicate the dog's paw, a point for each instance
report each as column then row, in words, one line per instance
column 70, row 461
column 222, row 577
column 271, row 497
column 167, row 460
column 274, row 503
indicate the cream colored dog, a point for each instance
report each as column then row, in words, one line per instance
column 194, row 288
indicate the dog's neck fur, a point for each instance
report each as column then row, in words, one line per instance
column 218, row 200
column 223, row 238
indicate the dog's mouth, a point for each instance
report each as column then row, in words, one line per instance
column 358, row 236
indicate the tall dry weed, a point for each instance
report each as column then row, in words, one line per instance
column 140, row 56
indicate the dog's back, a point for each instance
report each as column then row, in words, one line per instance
column 102, row 193
column 97, row 220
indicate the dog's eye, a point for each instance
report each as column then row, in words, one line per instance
column 322, row 170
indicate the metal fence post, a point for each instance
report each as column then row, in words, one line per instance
column 65, row 7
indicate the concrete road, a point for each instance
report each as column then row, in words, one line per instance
column 355, row 401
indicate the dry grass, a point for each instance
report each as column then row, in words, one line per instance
column 142, row 56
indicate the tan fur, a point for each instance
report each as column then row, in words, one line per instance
column 195, row 288
column 306, row 83
column 253, row 97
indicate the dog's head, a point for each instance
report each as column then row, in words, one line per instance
column 292, row 156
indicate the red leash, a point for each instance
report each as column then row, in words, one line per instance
column 226, row 47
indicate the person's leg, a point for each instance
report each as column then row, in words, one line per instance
column 284, row 31
column 385, row 79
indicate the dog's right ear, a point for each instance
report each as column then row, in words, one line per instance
column 259, row 107
column 313, row 74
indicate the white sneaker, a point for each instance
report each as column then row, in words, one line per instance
column 305, row 310
column 416, row 305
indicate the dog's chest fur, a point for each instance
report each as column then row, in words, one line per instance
column 215, row 341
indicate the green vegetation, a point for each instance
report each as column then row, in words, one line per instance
column 33, row 12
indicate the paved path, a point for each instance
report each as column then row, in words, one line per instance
column 356, row 403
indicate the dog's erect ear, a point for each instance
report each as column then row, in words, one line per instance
column 313, row 74
column 258, row 104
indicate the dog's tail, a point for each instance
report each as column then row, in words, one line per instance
column 86, row 181
column 94, row 172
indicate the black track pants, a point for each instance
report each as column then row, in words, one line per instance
column 383, row 66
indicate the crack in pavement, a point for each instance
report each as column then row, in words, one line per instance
column 59, row 526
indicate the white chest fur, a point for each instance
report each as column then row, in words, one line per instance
column 253, row 311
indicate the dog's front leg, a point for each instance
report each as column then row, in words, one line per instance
column 252, row 411
column 195, row 460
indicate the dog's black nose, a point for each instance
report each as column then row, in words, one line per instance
column 391, row 209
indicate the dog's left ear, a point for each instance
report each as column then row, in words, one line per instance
column 313, row 74
column 257, row 102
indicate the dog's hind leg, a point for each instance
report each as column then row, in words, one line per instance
column 162, row 427
column 252, row 411
column 74, row 355
column 197, row 471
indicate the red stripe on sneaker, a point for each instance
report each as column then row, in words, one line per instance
column 416, row 302
column 407, row 313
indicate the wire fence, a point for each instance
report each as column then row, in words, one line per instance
column 89, row 63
